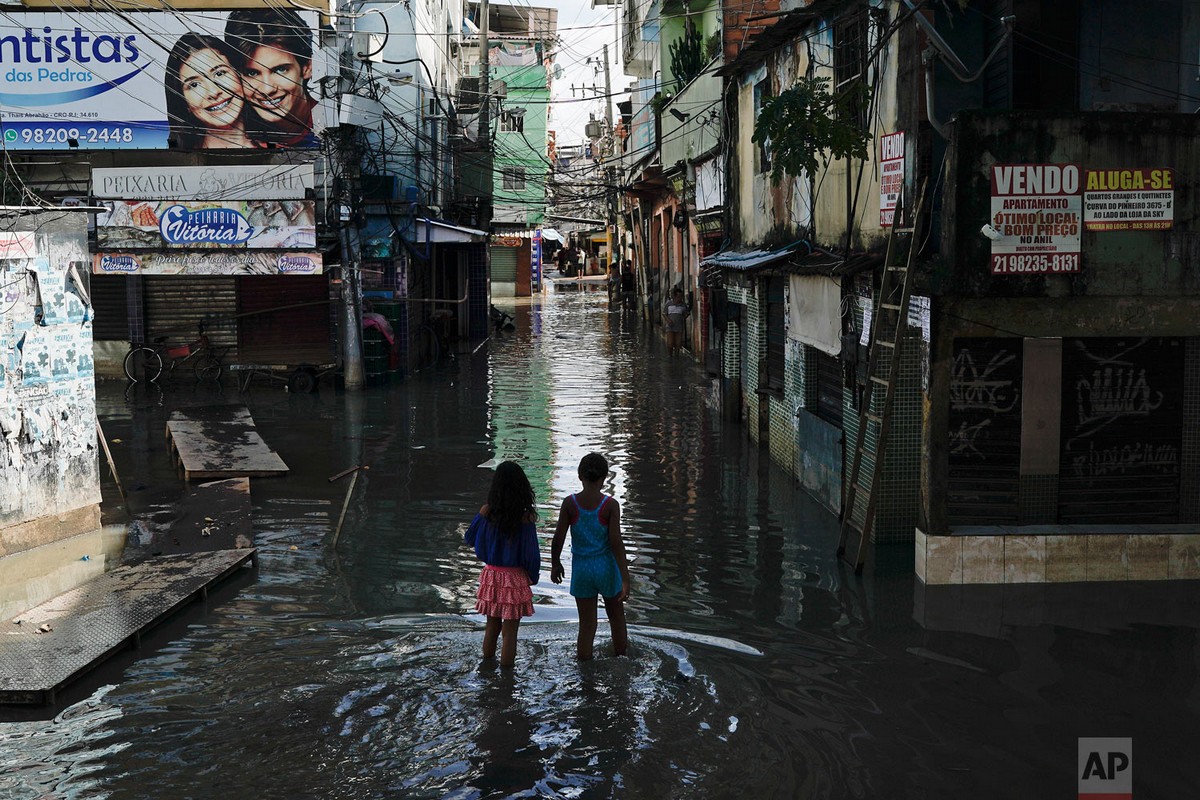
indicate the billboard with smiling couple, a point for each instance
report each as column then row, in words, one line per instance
column 245, row 79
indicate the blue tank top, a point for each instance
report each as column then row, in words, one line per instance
column 589, row 536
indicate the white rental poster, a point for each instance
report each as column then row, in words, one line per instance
column 195, row 80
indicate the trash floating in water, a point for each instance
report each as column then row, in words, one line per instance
column 293, row 547
column 697, row 638
column 209, row 519
column 44, row 628
column 491, row 463
column 86, row 558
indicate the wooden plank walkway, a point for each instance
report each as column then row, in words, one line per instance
column 68, row 635
column 220, row 442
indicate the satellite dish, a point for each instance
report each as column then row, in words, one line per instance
column 558, row 72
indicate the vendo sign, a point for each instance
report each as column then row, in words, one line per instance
column 1036, row 219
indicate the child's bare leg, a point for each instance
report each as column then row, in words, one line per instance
column 490, row 634
column 508, row 650
column 587, row 627
column 615, row 609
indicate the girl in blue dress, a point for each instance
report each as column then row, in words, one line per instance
column 598, row 563
column 504, row 536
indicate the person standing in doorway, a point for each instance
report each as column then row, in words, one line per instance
column 628, row 287
column 675, row 314
column 599, row 567
column 504, row 536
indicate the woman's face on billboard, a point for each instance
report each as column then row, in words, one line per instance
column 211, row 88
column 274, row 81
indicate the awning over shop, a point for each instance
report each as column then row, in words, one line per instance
column 432, row 230
column 550, row 233
column 788, row 259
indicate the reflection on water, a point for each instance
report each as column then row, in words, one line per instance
column 759, row 666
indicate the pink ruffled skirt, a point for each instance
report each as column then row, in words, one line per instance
column 504, row 592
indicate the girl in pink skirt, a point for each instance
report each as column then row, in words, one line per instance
column 504, row 536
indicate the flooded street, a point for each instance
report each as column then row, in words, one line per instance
column 760, row 666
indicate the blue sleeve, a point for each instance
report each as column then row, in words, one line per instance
column 469, row 539
column 531, row 554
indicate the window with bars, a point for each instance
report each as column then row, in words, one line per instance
column 513, row 177
column 512, row 122
column 850, row 46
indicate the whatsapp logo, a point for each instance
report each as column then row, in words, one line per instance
column 10, row 136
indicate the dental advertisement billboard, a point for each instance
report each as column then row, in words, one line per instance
column 245, row 79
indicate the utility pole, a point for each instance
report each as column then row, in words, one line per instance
column 346, row 189
column 485, row 121
column 610, row 222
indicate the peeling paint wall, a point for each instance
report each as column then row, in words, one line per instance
column 49, row 471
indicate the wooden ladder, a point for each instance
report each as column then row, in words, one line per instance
column 889, row 325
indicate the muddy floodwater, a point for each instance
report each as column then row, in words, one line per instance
column 760, row 666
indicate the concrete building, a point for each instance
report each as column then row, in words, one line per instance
column 50, row 534
column 520, row 59
column 1043, row 420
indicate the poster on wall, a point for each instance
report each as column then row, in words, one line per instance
column 244, row 80
column 213, row 262
column 214, row 182
column 891, row 175
column 1036, row 220
column 253, row 224
column 1129, row 200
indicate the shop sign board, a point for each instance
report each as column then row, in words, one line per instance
column 159, row 79
column 207, row 262
column 1129, row 200
column 253, row 224
column 224, row 182
column 1036, row 221
column 891, row 175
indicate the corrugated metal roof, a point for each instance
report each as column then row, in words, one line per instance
column 747, row 259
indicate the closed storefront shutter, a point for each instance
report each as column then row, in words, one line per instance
column 284, row 319
column 111, row 320
column 1122, row 431
column 175, row 304
column 829, row 386
column 985, row 431
column 504, row 264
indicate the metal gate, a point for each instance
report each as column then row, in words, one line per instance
column 284, row 317
column 504, row 264
column 175, row 304
column 1122, row 431
column 108, row 296
column 985, row 431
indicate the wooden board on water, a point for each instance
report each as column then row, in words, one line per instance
column 221, row 443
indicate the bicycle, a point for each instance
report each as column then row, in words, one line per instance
column 145, row 363
column 430, row 339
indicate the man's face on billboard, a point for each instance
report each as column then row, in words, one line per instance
column 274, row 82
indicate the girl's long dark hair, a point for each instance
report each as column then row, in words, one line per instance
column 510, row 500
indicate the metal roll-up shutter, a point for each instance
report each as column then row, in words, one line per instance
column 284, row 317
column 504, row 264
column 111, row 311
column 985, row 431
column 1122, row 431
column 829, row 386
column 175, row 304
